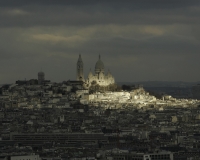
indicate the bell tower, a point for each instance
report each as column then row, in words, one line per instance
column 79, row 75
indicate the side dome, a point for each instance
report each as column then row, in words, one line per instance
column 99, row 67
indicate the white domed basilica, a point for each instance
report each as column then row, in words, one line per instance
column 99, row 77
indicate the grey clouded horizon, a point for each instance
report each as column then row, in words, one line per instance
column 144, row 40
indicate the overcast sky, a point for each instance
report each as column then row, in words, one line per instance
column 138, row 40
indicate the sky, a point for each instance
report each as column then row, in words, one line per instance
column 138, row 40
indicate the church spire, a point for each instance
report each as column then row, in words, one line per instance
column 79, row 58
column 99, row 56
column 108, row 73
column 80, row 74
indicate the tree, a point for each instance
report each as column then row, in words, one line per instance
column 114, row 87
column 94, row 87
column 74, row 89
column 126, row 87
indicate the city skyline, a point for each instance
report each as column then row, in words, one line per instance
column 137, row 41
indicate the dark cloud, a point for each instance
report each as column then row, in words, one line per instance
column 133, row 3
column 138, row 40
column 72, row 13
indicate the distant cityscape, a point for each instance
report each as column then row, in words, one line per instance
column 95, row 118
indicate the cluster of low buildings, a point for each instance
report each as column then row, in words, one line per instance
column 64, row 121
column 138, row 98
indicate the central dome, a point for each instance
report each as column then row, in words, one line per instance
column 99, row 66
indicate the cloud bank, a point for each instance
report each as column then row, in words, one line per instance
column 138, row 40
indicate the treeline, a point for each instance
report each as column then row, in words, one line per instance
column 97, row 88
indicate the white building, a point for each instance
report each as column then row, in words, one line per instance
column 99, row 77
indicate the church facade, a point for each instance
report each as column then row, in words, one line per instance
column 99, row 76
